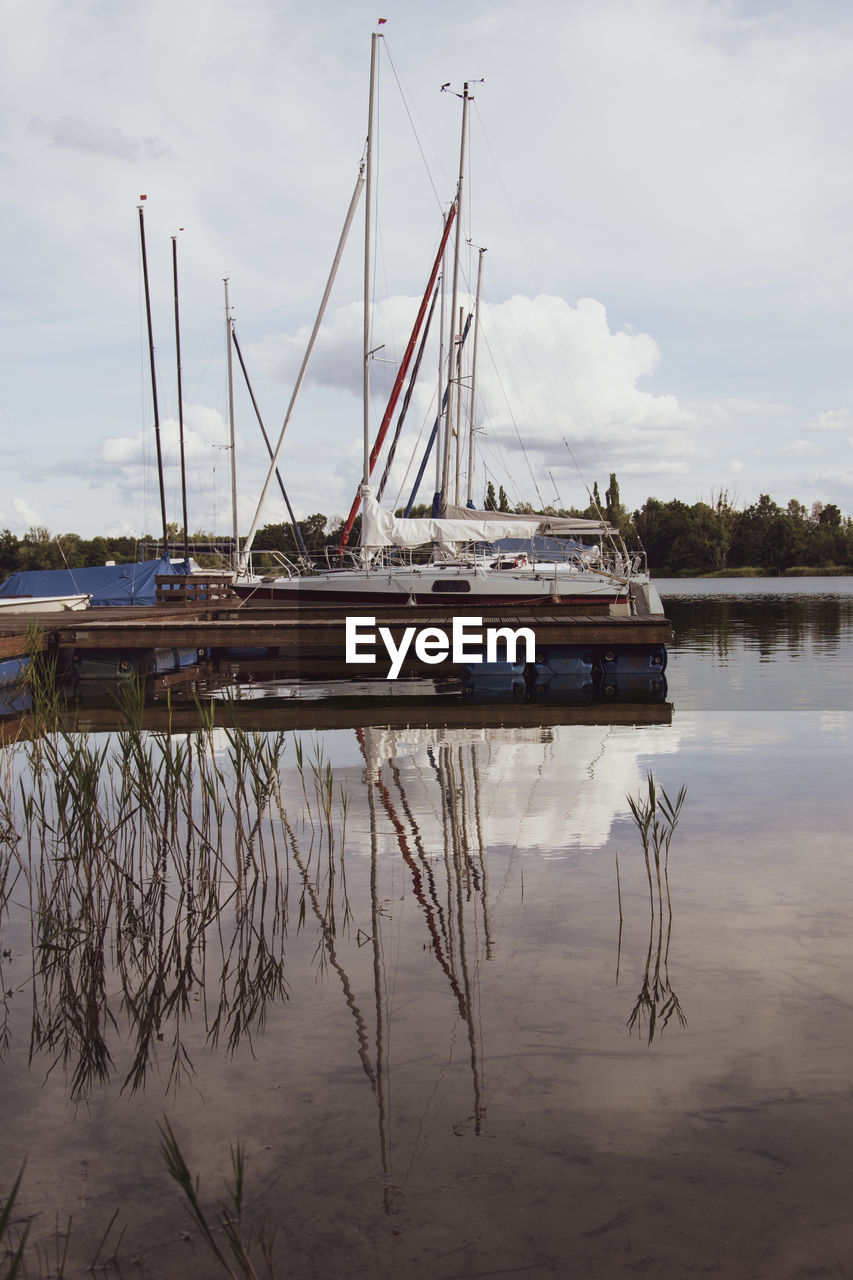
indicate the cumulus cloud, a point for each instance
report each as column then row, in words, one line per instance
column 799, row 446
column 735, row 467
column 832, row 420
column 838, row 481
column 22, row 518
column 554, row 381
column 204, row 431
column 705, row 199
column 96, row 137
column 128, row 465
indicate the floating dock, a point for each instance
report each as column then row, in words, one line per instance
column 308, row 641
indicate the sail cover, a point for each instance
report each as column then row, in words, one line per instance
column 554, row 526
column 380, row 528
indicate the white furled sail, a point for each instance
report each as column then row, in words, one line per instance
column 380, row 528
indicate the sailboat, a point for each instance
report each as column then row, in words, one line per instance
column 478, row 558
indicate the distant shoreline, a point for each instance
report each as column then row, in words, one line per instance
column 797, row 571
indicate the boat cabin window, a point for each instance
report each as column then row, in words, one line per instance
column 454, row 585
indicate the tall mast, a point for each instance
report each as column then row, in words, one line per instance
column 400, row 378
column 303, row 368
column 458, row 409
column 470, row 502
column 153, row 381
column 180, row 403
column 368, row 235
column 439, row 452
column 229, row 334
column 455, row 295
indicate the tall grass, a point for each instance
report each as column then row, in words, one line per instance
column 235, row 1258
column 156, row 870
column 13, row 1247
column 160, row 859
column 656, row 817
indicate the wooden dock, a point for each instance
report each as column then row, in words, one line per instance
column 309, row 641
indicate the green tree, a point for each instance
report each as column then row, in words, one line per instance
column 38, row 550
column 831, row 516
column 8, row 552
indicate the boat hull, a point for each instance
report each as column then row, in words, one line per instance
column 453, row 587
column 43, row 604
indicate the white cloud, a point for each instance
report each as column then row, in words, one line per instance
column 799, row 446
column 552, row 378
column 840, row 482
column 98, row 137
column 204, row 429
column 705, row 202
column 25, row 517
column 735, row 467
column 832, row 420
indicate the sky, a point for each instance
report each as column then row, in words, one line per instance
column 663, row 189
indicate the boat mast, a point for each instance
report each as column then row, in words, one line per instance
column 455, row 295
column 153, row 380
column 458, row 410
column 470, row 502
column 250, row 537
column 439, row 453
column 368, row 234
column 229, row 334
column 400, row 379
column 180, row 404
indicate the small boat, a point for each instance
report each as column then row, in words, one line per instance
column 43, row 604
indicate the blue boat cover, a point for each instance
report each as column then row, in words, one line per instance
column 119, row 584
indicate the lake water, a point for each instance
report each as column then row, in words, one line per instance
column 455, row 1026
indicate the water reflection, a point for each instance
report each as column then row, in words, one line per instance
column 383, row 958
column 159, row 873
column 760, row 645
column 655, row 817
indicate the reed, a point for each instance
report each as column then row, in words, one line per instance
column 230, row 1241
column 132, row 848
column 228, row 1220
column 157, row 867
column 13, row 1249
column 656, row 817
column 39, row 680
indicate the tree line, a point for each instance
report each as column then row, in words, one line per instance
column 679, row 538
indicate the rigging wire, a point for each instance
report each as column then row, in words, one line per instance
column 442, row 205
column 593, row 436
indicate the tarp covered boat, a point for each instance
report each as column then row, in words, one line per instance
column 111, row 584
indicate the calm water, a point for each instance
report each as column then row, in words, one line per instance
column 432, row 996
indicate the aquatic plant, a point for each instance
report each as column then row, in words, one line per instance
column 132, row 846
column 14, row 1250
column 39, row 679
column 655, row 817
column 51, row 1259
column 229, row 1218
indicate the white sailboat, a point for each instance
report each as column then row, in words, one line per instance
column 591, row 567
